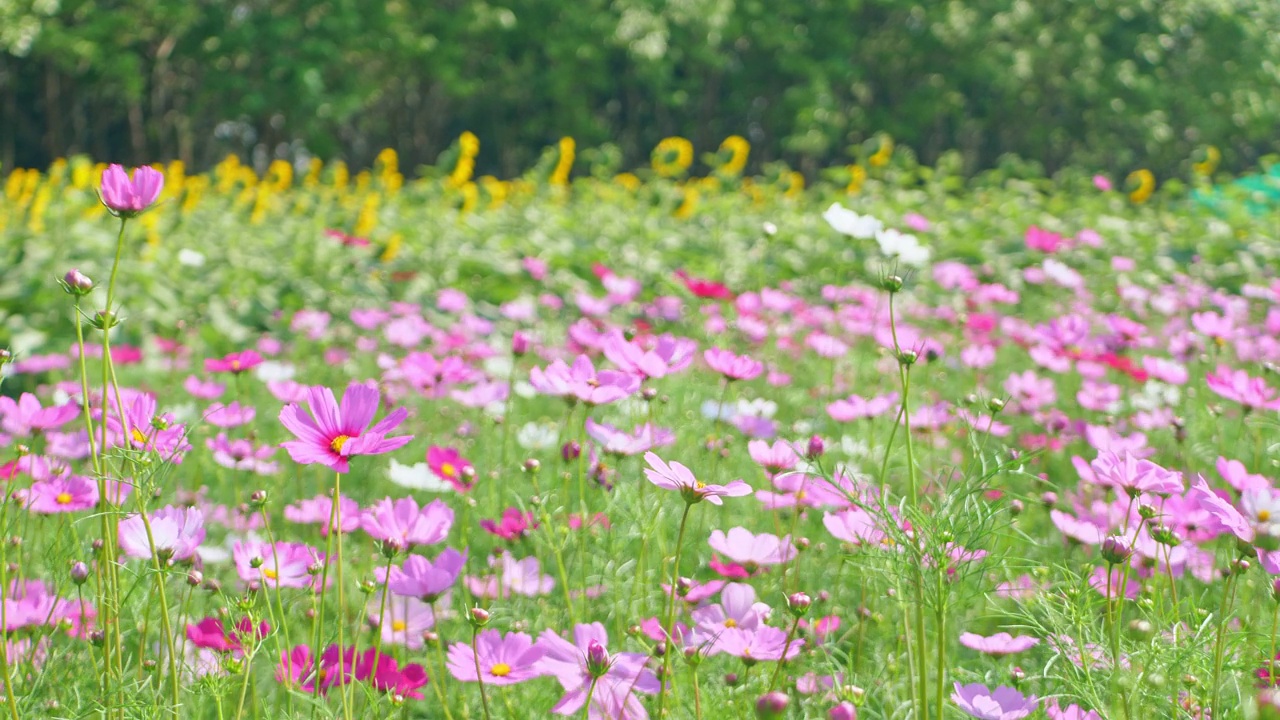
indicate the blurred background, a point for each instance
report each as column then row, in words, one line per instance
column 1106, row 84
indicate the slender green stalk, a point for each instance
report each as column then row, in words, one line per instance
column 342, row 603
column 1220, row 644
column 437, row 679
column 777, row 671
column 475, row 655
column 697, row 695
column 591, row 693
column 382, row 611
column 164, row 607
column 4, row 620
column 671, row 611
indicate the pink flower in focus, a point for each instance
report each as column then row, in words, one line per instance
column 502, row 660
column 675, row 476
column 25, row 415
column 127, row 196
column 764, row 643
column 338, row 432
column 284, row 564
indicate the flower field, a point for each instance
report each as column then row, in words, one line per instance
column 891, row 443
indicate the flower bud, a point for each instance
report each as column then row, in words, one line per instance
column 1049, row 498
column 570, row 450
column 194, row 578
column 995, row 405
column 104, row 320
column 315, row 568
column 1114, row 550
column 844, row 711
column 256, row 562
column 1147, row 512
column 799, row 604
column 258, row 498
column 519, row 343
column 79, row 573
column 1017, row 675
column 77, row 283
column 1166, row 536
column 772, row 705
column 96, row 637
column 891, row 283
column 532, row 465
column 478, row 616
column 815, row 449
column 1016, row 507
column 683, row 586
column 731, row 679
column 393, row 546
column 648, row 394
column 908, row 357
column 598, row 661
column 5, row 356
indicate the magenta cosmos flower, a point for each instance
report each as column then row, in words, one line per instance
column 502, row 660
column 1004, row 703
column 732, row 367
column 678, row 477
column 236, row 362
column 998, row 644
column 62, row 494
column 211, row 633
column 175, row 532
column 402, row 521
column 127, row 196
column 449, row 465
column 338, row 432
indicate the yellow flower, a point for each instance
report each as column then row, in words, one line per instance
column 672, row 157
column 392, row 249
column 363, row 178
column 314, row 167
column 279, row 175
column 1144, row 184
column 689, row 204
column 38, row 206
column 470, row 196
column 469, row 144
column 195, row 188
column 175, row 176
column 388, row 161
column 1205, row 168
column 58, row 170
column 227, row 172
column 739, row 149
column 13, row 185
column 560, row 176
column 857, row 176
column 794, row 183
column 882, row 155
column 340, row 175
column 81, row 175
column 367, row 218
column 628, row 181
column 495, row 189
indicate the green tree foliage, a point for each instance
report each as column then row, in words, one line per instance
column 1111, row 84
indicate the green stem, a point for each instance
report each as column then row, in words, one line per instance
column 437, row 679
column 777, row 671
column 475, row 655
column 591, row 692
column 1220, row 645
column 4, row 620
column 342, row 603
column 671, row 611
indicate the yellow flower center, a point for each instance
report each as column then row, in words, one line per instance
column 139, row 436
column 731, row 623
column 746, row 653
column 1221, row 341
column 338, row 442
column 235, row 366
column 64, row 498
column 448, row 470
column 800, row 495
column 500, row 670
column 271, row 574
column 698, row 485
column 398, row 625
column 1263, row 515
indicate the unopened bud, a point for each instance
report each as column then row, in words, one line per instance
column 532, row 465
column 816, row 448
column 393, row 546
column 194, row 578
column 570, row 450
column 648, row 394
column 258, row 498
column 519, row 343
column 891, row 283
column 908, row 357
column 1147, row 512
column 1114, row 550
column 772, row 705
column 799, row 604
column 1166, row 536
column 77, row 283
column 478, row 616
column 79, row 573
column 995, row 405
column 598, row 661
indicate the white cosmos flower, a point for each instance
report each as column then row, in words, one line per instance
column 843, row 220
column 417, row 477
column 904, row 246
column 190, row 258
column 272, row 371
column 537, row 436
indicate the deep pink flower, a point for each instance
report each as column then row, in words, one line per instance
column 676, row 476
column 1043, row 240
column 513, row 525
column 176, row 532
column 338, row 432
column 426, row 579
column 707, row 289
column 732, row 367
column 502, row 660
column 1004, row 703
column 449, row 465
column 211, row 633
column 63, row 493
column 998, row 644
column 403, row 521
column 236, row 362
column 385, row 674
column 127, row 196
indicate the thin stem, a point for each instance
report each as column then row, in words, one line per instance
column 671, row 611
column 1220, row 645
column 437, row 679
column 1271, row 659
column 777, row 671
column 4, row 620
column 591, row 692
column 697, row 695
column 382, row 611
column 342, row 603
column 475, row 655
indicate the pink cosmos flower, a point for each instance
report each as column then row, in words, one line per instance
column 147, row 430
column 578, row 665
column 319, row 511
column 338, row 432
column 775, row 458
column 402, row 521
column 650, row 358
column 855, row 407
column 695, row 592
column 385, row 674
column 175, row 531
column 1222, row 513
column 229, row 416
column 288, row 391
column 732, row 367
column 203, row 389
column 127, row 196
column 998, row 644
column 1004, row 703
column 1043, row 240
column 240, row 454
column 1103, row 580
column 1236, row 385
column 284, row 564
column 502, row 660
column 752, row 551
column 737, row 609
column 800, row 489
column 1081, row 531
column 764, row 643
column 1133, row 476
column 516, row 577
column 1102, row 183
column 25, row 415
column 1071, row 712
column 63, row 493
column 676, row 476
column 856, row 526
column 513, row 526
column 427, row 579
column 449, row 465
column 618, row 442
column 236, row 362
column 407, row 619
column 212, row 634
